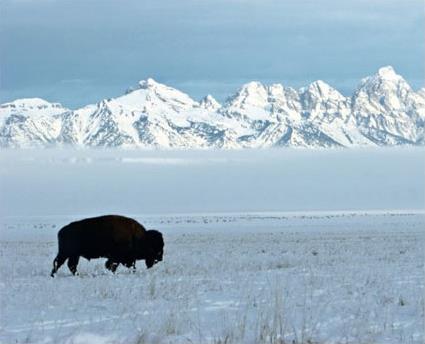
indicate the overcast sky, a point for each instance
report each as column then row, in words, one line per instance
column 80, row 51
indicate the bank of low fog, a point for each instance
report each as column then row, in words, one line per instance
column 88, row 182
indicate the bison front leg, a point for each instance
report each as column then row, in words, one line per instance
column 72, row 264
column 149, row 262
column 111, row 265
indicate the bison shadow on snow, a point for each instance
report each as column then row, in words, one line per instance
column 120, row 239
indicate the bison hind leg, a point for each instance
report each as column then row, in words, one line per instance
column 131, row 264
column 72, row 264
column 57, row 263
column 111, row 265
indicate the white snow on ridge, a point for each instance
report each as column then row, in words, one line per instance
column 30, row 122
column 209, row 103
column 384, row 110
column 34, row 107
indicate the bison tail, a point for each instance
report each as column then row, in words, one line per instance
column 57, row 263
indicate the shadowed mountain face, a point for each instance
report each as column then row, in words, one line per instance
column 384, row 110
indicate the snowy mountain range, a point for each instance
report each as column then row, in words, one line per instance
column 384, row 110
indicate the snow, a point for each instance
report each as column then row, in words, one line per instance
column 209, row 103
column 388, row 73
column 328, row 277
column 28, row 102
column 36, row 108
column 387, row 110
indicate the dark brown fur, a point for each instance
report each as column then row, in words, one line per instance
column 120, row 239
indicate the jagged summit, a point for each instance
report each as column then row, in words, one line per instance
column 30, row 103
column 385, row 78
column 387, row 110
column 321, row 89
column 253, row 88
column 151, row 95
column 149, row 83
column 249, row 101
column 320, row 86
column 387, row 72
column 209, row 103
column 29, row 108
column 383, row 110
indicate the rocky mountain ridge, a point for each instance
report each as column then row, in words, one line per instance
column 383, row 111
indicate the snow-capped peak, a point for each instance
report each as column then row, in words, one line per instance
column 30, row 122
column 386, row 87
column 320, row 85
column 150, row 93
column 276, row 89
column 386, row 109
column 146, row 84
column 323, row 104
column 30, row 103
column 30, row 107
column 251, row 93
column 254, row 89
column 251, row 102
column 385, row 78
column 321, row 89
column 149, row 83
column 209, row 103
column 252, row 86
column 388, row 73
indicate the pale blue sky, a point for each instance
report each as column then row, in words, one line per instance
column 79, row 51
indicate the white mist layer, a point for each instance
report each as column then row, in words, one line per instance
column 88, row 182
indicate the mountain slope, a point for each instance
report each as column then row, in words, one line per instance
column 387, row 110
column 383, row 110
column 30, row 122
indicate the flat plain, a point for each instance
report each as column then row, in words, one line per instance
column 309, row 277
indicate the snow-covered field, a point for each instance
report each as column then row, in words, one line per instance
column 337, row 277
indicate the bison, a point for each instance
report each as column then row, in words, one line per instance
column 120, row 239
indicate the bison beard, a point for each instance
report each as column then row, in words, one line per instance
column 119, row 239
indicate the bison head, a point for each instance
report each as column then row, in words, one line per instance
column 154, row 247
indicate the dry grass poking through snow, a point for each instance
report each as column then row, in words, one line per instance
column 225, row 279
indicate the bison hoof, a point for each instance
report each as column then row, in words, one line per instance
column 111, row 266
